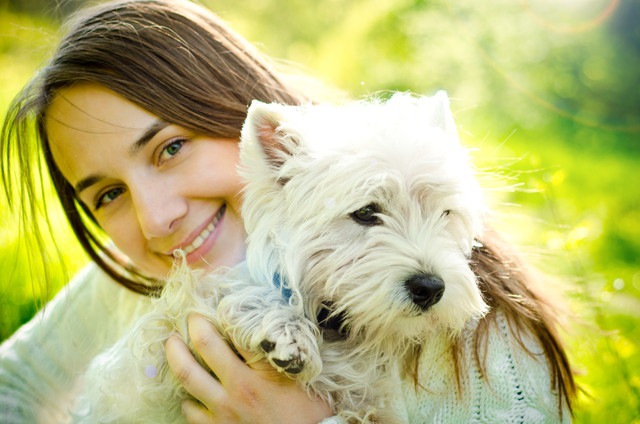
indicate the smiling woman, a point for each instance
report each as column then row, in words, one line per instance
column 110, row 48
column 152, row 186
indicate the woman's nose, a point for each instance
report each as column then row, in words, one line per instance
column 158, row 210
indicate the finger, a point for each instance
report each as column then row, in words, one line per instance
column 256, row 362
column 225, row 361
column 263, row 368
column 195, row 413
column 192, row 376
column 213, row 349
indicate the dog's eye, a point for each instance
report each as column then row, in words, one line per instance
column 367, row 215
column 446, row 212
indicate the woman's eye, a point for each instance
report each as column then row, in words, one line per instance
column 108, row 197
column 171, row 149
column 367, row 215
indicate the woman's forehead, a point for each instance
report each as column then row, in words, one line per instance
column 93, row 109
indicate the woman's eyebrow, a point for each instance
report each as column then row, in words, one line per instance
column 86, row 182
column 151, row 131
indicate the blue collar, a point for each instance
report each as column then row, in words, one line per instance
column 282, row 286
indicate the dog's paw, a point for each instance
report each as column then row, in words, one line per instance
column 292, row 350
column 289, row 360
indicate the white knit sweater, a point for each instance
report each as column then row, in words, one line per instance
column 41, row 365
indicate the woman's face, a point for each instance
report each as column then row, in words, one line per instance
column 152, row 186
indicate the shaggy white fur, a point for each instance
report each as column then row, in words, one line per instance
column 366, row 214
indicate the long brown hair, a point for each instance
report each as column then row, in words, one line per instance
column 171, row 57
column 511, row 287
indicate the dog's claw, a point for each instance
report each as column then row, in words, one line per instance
column 267, row 346
column 295, row 368
column 292, row 366
column 281, row 363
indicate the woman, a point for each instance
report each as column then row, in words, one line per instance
column 137, row 115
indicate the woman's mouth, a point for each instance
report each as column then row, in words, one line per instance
column 204, row 236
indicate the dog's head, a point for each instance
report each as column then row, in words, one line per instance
column 370, row 207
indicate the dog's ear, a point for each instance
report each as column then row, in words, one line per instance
column 439, row 113
column 263, row 131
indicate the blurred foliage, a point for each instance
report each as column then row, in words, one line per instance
column 547, row 94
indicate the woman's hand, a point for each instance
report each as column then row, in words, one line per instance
column 244, row 394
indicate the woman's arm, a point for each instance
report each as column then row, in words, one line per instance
column 41, row 363
column 253, row 394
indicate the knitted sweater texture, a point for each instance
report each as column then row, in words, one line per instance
column 42, row 364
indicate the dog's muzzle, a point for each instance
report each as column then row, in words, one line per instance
column 425, row 289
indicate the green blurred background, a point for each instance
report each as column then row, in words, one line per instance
column 546, row 93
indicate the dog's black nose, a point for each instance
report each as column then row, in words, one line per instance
column 425, row 289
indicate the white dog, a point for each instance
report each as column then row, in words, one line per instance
column 361, row 220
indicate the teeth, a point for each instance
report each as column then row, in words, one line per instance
column 200, row 239
column 204, row 234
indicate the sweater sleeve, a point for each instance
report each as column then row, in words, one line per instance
column 41, row 364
